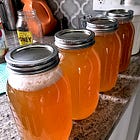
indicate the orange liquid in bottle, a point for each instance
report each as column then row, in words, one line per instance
column 82, row 67
column 44, row 113
column 108, row 48
column 126, row 34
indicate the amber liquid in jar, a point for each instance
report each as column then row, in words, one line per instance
column 37, row 100
column 39, row 93
column 126, row 34
column 108, row 48
column 83, row 71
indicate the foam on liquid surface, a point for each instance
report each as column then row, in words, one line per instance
column 34, row 82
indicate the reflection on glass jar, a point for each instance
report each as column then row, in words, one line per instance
column 126, row 34
column 82, row 66
column 108, row 47
column 40, row 98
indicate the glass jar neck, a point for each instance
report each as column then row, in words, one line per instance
column 30, row 13
column 104, row 33
column 124, row 21
column 26, row 13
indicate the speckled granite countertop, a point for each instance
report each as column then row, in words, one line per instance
column 101, row 123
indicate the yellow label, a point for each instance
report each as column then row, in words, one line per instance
column 25, row 37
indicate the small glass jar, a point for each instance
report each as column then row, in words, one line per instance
column 126, row 33
column 40, row 98
column 29, row 28
column 82, row 66
column 108, row 47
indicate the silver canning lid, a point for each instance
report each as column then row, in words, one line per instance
column 32, row 59
column 102, row 24
column 120, row 14
column 74, row 38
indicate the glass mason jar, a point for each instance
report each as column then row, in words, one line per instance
column 29, row 28
column 126, row 33
column 108, row 47
column 40, row 98
column 82, row 66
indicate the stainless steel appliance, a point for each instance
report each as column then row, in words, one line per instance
column 8, row 14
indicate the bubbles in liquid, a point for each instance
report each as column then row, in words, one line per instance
column 34, row 82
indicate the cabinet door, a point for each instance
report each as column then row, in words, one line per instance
column 129, row 124
column 121, row 130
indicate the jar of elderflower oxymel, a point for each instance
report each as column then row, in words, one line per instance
column 108, row 47
column 82, row 65
column 126, row 33
column 40, row 98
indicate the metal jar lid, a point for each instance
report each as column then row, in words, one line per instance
column 74, row 38
column 120, row 14
column 102, row 24
column 32, row 59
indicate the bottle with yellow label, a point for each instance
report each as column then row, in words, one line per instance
column 28, row 28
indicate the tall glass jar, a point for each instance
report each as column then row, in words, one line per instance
column 108, row 47
column 126, row 33
column 39, row 93
column 82, row 66
column 29, row 28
